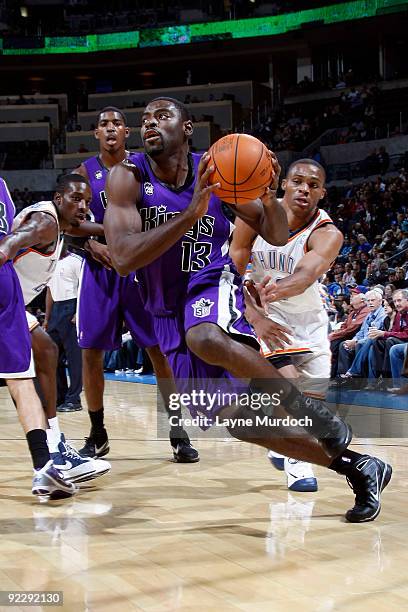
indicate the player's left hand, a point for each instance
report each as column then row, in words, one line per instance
column 273, row 334
column 269, row 197
column 268, row 292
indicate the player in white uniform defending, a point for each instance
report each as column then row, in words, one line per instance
column 35, row 245
column 293, row 326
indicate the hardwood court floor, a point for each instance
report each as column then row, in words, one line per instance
column 220, row 535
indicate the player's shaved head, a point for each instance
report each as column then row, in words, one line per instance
column 65, row 180
column 111, row 109
column 309, row 162
column 182, row 108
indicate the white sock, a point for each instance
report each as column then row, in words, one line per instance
column 52, row 440
column 54, row 425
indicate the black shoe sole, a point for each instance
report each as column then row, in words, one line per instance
column 387, row 475
column 69, row 409
column 179, row 459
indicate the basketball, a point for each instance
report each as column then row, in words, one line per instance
column 243, row 167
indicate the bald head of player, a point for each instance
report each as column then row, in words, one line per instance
column 166, row 127
column 71, row 198
column 304, row 188
column 111, row 129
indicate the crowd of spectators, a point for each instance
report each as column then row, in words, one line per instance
column 353, row 117
column 282, row 130
column 367, row 288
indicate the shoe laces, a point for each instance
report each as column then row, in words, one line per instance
column 72, row 452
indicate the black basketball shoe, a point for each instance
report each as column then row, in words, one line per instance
column 368, row 476
column 183, row 452
column 96, row 446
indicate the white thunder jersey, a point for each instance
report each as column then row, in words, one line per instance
column 34, row 266
column 304, row 315
column 280, row 262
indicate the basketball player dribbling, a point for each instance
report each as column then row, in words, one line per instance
column 106, row 300
column 176, row 237
column 17, row 366
column 35, row 247
column 294, row 329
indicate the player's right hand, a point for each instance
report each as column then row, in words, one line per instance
column 202, row 190
column 273, row 334
column 100, row 253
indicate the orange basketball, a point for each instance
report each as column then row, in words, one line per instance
column 243, row 167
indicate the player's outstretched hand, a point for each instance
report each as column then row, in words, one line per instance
column 202, row 190
column 267, row 291
column 100, row 253
column 268, row 199
column 273, row 334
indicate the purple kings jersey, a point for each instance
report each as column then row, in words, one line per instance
column 7, row 210
column 97, row 174
column 200, row 251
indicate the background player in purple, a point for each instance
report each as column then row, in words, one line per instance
column 35, row 246
column 176, row 237
column 16, row 366
column 106, row 300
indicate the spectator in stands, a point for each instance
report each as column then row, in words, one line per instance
column 379, row 366
column 333, row 285
column 346, row 249
column 382, row 275
column 348, row 329
column 350, row 361
column 390, row 311
column 388, row 291
column 363, row 245
column 357, row 272
column 348, row 276
column 400, row 282
column 364, row 260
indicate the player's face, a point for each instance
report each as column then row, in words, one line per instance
column 111, row 131
column 163, row 129
column 73, row 203
column 304, row 188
